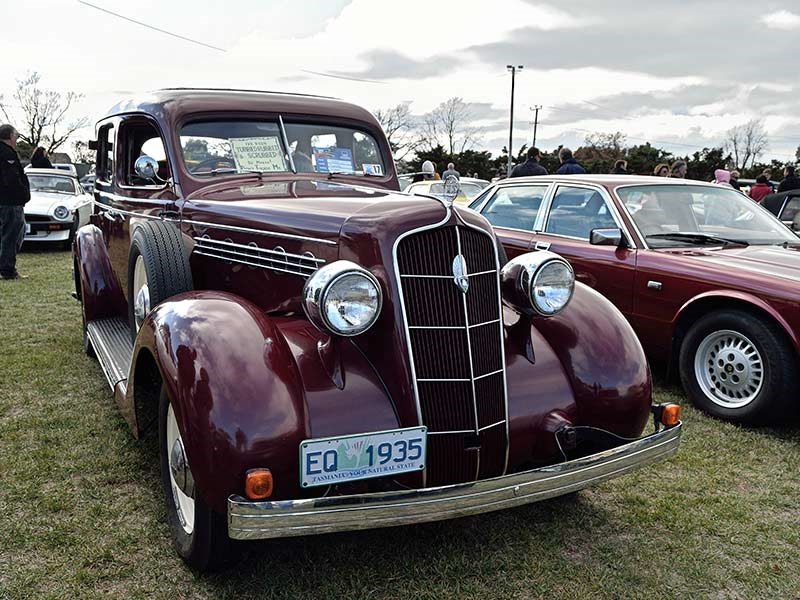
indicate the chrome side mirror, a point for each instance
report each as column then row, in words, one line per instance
column 146, row 167
column 607, row 237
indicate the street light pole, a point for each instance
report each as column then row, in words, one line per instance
column 535, row 122
column 513, row 70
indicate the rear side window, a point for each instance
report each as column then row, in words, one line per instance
column 515, row 207
column 576, row 211
column 105, row 154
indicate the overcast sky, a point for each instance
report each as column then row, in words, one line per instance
column 677, row 73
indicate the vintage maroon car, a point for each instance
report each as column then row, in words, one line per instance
column 709, row 280
column 321, row 352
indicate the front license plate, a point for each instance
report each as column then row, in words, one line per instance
column 363, row 456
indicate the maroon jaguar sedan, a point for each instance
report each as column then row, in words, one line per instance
column 709, row 280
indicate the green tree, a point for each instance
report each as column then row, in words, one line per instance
column 643, row 158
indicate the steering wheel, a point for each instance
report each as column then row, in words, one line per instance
column 215, row 162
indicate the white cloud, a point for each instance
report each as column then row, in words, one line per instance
column 782, row 19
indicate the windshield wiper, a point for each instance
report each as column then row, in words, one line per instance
column 222, row 171
column 696, row 237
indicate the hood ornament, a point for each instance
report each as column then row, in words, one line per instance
column 460, row 276
column 450, row 189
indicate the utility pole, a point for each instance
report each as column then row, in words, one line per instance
column 513, row 70
column 535, row 122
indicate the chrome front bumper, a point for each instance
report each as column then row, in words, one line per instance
column 249, row 520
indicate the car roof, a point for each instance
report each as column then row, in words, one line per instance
column 59, row 172
column 608, row 181
column 173, row 103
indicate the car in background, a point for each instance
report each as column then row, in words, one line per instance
column 709, row 280
column 319, row 352
column 87, row 182
column 468, row 190
column 481, row 183
column 785, row 206
column 58, row 207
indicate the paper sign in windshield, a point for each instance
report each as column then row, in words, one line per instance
column 258, row 153
column 372, row 169
column 333, row 160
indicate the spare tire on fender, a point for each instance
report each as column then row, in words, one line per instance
column 158, row 268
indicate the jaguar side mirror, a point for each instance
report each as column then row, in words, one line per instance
column 607, row 237
column 146, row 167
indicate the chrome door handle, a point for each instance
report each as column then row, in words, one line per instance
column 542, row 246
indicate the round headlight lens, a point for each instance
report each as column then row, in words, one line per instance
column 552, row 287
column 61, row 212
column 351, row 303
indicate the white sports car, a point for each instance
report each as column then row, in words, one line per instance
column 57, row 208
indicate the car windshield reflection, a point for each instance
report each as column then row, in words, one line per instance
column 671, row 216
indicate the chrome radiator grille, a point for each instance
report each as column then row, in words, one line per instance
column 456, row 347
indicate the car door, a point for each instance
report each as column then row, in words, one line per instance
column 514, row 211
column 572, row 213
column 127, row 199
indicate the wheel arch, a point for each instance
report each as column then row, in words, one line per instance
column 704, row 304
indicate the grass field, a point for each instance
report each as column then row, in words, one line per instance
column 81, row 512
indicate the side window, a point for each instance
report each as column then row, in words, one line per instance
column 105, row 154
column 139, row 137
column 791, row 210
column 515, row 207
column 576, row 211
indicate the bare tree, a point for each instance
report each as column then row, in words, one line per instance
column 399, row 124
column 450, row 124
column 81, row 152
column 746, row 143
column 41, row 113
column 602, row 146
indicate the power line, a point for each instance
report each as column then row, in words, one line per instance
column 164, row 31
column 322, row 74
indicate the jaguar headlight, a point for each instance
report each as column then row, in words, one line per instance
column 539, row 281
column 342, row 298
column 62, row 212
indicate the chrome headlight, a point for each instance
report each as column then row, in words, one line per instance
column 342, row 298
column 62, row 212
column 542, row 281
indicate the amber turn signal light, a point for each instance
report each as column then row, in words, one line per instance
column 258, row 484
column 671, row 414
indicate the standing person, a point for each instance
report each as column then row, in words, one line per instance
column 761, row 188
column 661, row 170
column 790, row 180
column 722, row 177
column 679, row 169
column 14, row 193
column 735, row 179
column 530, row 166
column 569, row 166
column 620, row 168
column 768, row 174
column 451, row 170
column 40, row 159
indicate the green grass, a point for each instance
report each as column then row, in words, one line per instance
column 81, row 512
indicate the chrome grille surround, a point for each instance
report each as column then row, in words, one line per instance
column 420, row 363
column 252, row 255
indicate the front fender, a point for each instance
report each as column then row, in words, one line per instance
column 101, row 294
column 604, row 362
column 235, row 389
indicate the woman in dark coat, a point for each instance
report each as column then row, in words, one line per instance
column 40, row 159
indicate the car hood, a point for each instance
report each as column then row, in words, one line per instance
column 772, row 261
column 42, row 203
column 316, row 209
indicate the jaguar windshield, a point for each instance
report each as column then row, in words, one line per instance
column 671, row 216
column 213, row 148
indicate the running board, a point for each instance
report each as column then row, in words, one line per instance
column 111, row 340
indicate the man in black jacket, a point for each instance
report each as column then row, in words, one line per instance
column 790, row 180
column 14, row 193
column 530, row 166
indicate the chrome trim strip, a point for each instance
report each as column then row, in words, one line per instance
column 309, row 257
column 288, row 236
column 421, row 379
column 482, row 324
column 469, row 354
column 453, row 326
column 484, row 428
column 286, row 518
column 445, row 276
column 250, row 264
column 488, row 375
column 447, row 432
column 300, row 268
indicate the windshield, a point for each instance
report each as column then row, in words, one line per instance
column 52, row 183
column 705, row 214
column 241, row 146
